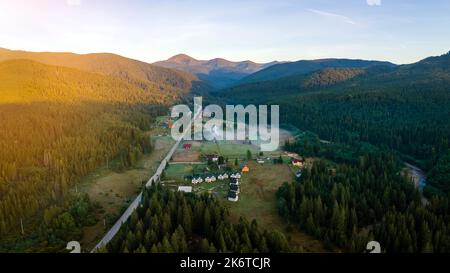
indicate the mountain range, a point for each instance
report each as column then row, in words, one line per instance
column 305, row 77
column 217, row 72
column 278, row 71
column 404, row 108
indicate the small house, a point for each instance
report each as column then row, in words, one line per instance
column 260, row 160
column 234, row 187
column 297, row 163
column 213, row 158
column 187, row 189
column 245, row 169
column 234, row 181
column 187, row 146
column 233, row 196
column 197, row 180
column 235, row 175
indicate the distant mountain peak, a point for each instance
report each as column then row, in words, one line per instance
column 218, row 72
column 182, row 58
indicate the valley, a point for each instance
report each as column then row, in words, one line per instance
column 113, row 191
column 84, row 134
column 258, row 186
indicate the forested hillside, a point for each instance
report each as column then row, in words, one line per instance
column 175, row 222
column 59, row 124
column 404, row 108
column 262, row 92
column 307, row 66
column 350, row 204
column 143, row 75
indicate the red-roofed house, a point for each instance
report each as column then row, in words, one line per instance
column 297, row 163
column 187, row 146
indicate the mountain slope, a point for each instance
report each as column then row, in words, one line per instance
column 59, row 124
column 141, row 74
column 261, row 92
column 25, row 81
column 303, row 67
column 404, row 108
column 217, row 72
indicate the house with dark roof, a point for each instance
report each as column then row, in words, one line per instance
column 234, row 187
column 212, row 157
column 234, row 181
column 233, row 196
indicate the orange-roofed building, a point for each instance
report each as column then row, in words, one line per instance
column 246, row 169
column 297, row 163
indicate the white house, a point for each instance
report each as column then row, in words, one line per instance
column 235, row 175
column 197, row 180
column 185, row 189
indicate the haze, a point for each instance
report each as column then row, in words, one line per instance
column 399, row 31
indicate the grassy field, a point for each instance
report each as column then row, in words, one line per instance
column 191, row 155
column 177, row 172
column 257, row 200
column 112, row 191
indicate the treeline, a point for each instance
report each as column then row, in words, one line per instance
column 169, row 222
column 348, row 205
column 309, row 145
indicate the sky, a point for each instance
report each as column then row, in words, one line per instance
column 400, row 31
